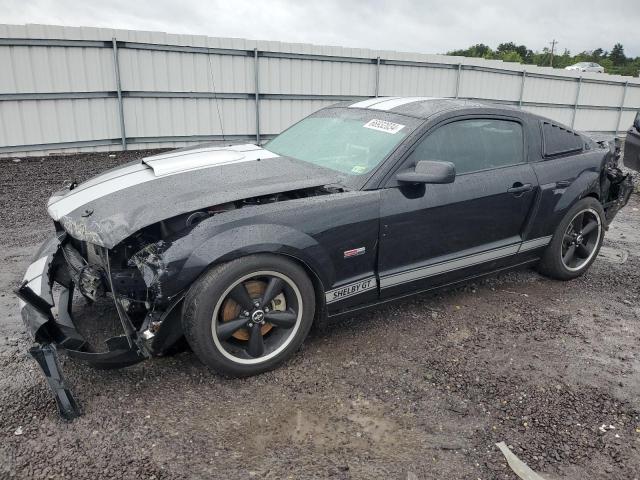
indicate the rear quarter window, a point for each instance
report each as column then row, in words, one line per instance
column 557, row 140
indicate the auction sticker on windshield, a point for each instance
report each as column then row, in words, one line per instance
column 383, row 126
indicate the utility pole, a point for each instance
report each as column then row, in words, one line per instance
column 553, row 47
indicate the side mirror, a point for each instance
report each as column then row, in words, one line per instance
column 636, row 121
column 429, row 171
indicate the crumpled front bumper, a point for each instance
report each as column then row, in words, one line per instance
column 36, row 302
column 51, row 326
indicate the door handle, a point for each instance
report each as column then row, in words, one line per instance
column 519, row 188
column 563, row 184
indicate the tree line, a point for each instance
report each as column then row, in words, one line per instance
column 614, row 61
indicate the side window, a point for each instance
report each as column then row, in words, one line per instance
column 559, row 141
column 473, row 145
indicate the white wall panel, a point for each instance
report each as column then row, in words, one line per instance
column 600, row 94
column 277, row 115
column 546, row 90
column 592, row 120
column 633, row 97
column 626, row 120
column 312, row 77
column 148, row 70
column 490, row 85
column 74, row 70
column 562, row 115
column 55, row 121
column 159, row 117
column 397, row 80
column 55, row 69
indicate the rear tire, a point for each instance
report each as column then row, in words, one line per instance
column 576, row 241
column 249, row 315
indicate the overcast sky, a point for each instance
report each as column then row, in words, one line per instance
column 405, row 25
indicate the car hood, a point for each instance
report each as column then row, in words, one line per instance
column 110, row 207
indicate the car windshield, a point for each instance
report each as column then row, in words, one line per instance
column 350, row 141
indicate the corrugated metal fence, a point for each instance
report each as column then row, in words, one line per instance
column 86, row 89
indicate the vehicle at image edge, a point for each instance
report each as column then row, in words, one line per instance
column 240, row 249
column 586, row 67
column 631, row 158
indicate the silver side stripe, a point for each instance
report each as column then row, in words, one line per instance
column 535, row 243
column 351, row 289
column 436, row 269
column 448, row 266
column 398, row 102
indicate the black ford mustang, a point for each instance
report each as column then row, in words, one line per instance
column 240, row 249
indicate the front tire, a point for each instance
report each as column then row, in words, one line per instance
column 576, row 242
column 249, row 315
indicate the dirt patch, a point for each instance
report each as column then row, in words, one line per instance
column 421, row 389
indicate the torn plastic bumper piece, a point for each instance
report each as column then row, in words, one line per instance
column 47, row 358
column 67, row 338
column 119, row 355
column 51, row 331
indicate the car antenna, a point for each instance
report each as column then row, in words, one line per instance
column 213, row 83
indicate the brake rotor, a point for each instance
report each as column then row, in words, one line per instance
column 231, row 309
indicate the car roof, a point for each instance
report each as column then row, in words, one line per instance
column 420, row 107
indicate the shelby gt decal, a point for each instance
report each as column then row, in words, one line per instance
column 351, row 289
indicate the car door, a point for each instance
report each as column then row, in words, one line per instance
column 433, row 234
column 631, row 157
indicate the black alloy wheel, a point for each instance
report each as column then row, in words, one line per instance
column 248, row 315
column 581, row 239
column 576, row 242
column 257, row 317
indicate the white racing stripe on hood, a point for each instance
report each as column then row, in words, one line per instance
column 397, row 102
column 370, row 101
column 158, row 166
column 144, row 164
column 111, row 174
column 167, row 166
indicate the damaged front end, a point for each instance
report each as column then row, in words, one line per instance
column 123, row 239
column 615, row 185
column 143, row 277
column 65, row 266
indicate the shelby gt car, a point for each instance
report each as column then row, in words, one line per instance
column 240, row 249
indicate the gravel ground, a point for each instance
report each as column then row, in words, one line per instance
column 421, row 389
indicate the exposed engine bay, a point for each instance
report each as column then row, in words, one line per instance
column 132, row 274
